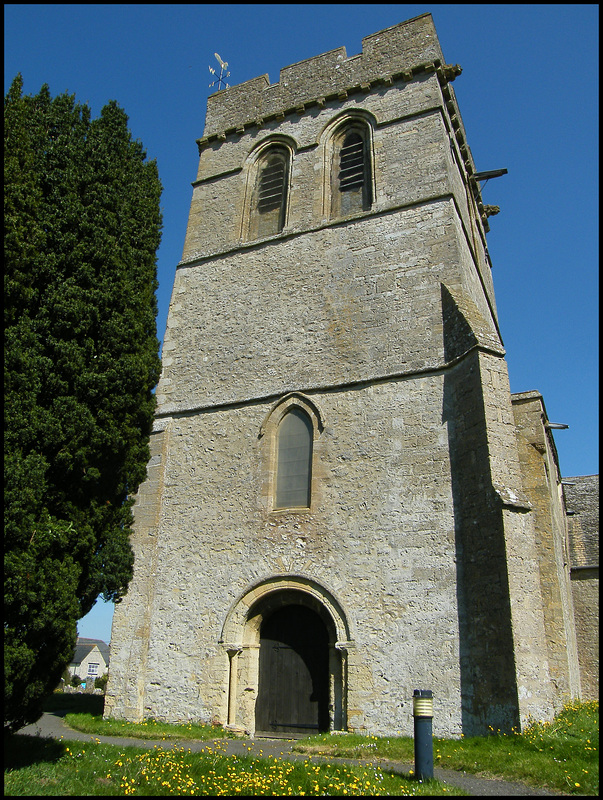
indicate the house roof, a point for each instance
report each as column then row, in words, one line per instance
column 84, row 646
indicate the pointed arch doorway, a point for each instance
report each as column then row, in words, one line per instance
column 293, row 680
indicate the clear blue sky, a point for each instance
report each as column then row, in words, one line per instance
column 528, row 96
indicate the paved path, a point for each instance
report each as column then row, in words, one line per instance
column 54, row 726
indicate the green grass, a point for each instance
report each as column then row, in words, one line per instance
column 85, row 714
column 35, row 766
column 149, row 729
column 562, row 755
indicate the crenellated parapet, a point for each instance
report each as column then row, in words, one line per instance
column 397, row 52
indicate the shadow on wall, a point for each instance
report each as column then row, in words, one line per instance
column 487, row 663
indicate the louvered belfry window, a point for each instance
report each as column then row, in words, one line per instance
column 351, row 163
column 272, row 184
column 271, row 194
column 352, row 189
column 294, row 460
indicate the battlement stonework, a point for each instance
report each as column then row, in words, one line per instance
column 390, row 54
column 335, row 512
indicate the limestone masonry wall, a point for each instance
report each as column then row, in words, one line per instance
column 422, row 553
column 582, row 496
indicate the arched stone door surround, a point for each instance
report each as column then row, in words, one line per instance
column 241, row 640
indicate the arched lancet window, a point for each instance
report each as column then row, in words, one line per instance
column 351, row 189
column 294, row 460
column 270, row 193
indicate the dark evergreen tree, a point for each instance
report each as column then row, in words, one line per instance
column 82, row 227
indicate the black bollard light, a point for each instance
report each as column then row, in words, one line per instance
column 422, row 709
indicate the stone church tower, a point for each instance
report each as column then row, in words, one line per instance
column 334, row 513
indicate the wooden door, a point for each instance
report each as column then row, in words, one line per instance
column 293, row 692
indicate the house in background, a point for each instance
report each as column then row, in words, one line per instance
column 90, row 660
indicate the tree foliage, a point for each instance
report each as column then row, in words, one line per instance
column 82, row 227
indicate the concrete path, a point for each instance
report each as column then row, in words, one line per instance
column 53, row 725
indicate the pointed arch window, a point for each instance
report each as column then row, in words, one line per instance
column 270, row 194
column 351, row 185
column 294, row 460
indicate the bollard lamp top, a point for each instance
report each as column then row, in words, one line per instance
column 422, row 703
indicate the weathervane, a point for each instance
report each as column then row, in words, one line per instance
column 223, row 74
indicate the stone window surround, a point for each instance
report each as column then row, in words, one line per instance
column 333, row 137
column 251, row 172
column 269, row 436
column 330, row 140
